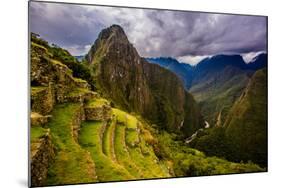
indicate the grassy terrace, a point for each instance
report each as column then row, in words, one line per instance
column 79, row 80
column 122, row 153
column 132, row 137
column 106, row 169
column 78, row 91
column 97, row 102
column 143, row 155
column 146, row 161
column 37, row 89
column 72, row 164
column 108, row 140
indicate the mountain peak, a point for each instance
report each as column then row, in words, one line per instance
column 110, row 37
column 220, row 61
column 258, row 62
column 113, row 30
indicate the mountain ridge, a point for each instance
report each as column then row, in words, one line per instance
column 139, row 90
column 215, row 79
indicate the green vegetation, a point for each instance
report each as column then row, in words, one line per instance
column 190, row 162
column 106, row 169
column 97, row 102
column 108, row 140
column 60, row 55
column 36, row 133
column 132, row 143
column 246, row 124
column 217, row 97
column 39, row 41
column 243, row 136
column 127, row 146
column 213, row 142
column 72, row 164
column 37, row 89
column 77, row 91
column 122, row 153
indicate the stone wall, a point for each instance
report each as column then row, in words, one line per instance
column 99, row 113
column 77, row 119
column 42, row 153
column 42, row 99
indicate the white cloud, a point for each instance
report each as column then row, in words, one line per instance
column 248, row 57
column 192, row 60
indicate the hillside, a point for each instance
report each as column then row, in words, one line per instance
column 79, row 136
column 243, row 137
column 184, row 71
column 246, row 124
column 135, row 85
column 216, row 82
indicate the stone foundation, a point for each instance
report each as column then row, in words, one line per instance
column 42, row 153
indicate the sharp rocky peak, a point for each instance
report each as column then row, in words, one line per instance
column 112, row 30
column 113, row 37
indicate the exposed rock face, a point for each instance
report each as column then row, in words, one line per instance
column 42, row 152
column 136, row 85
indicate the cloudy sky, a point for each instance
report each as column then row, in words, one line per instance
column 187, row 36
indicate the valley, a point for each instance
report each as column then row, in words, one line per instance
column 114, row 116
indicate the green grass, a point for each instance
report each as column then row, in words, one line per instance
column 33, row 44
column 36, row 133
column 190, row 162
column 138, row 150
column 72, row 164
column 147, row 162
column 218, row 97
column 122, row 153
column 131, row 122
column 97, row 102
column 56, row 62
column 108, row 140
column 106, row 169
column 78, row 91
column 37, row 89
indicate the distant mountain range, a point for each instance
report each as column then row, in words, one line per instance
column 215, row 82
column 80, row 57
column 184, row 71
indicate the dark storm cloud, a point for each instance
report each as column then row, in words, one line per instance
column 153, row 33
